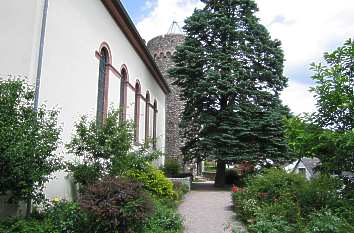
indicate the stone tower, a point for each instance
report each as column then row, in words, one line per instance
column 162, row 48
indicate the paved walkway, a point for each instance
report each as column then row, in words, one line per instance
column 208, row 210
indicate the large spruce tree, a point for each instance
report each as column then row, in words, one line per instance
column 230, row 73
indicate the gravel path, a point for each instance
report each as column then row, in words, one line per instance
column 208, row 210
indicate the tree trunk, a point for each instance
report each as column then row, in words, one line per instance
column 28, row 207
column 220, row 174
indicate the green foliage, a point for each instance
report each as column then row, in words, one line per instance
column 230, row 73
column 99, row 146
column 209, row 166
column 28, row 141
column 276, row 182
column 85, row 173
column 106, row 149
column 116, row 204
column 153, row 180
column 180, row 190
column 335, row 149
column 327, row 222
column 302, row 137
column 66, row 217
column 271, row 225
column 26, row 226
column 287, row 202
column 171, row 168
column 165, row 220
column 334, row 89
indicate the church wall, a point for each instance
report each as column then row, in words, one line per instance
column 20, row 27
column 75, row 31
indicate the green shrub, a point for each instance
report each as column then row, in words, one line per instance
column 165, row 220
column 319, row 193
column 116, row 204
column 274, row 182
column 180, row 189
column 275, row 194
column 85, row 173
column 171, row 168
column 276, row 224
column 66, row 217
column 326, row 222
column 246, row 204
column 154, row 181
column 27, row 226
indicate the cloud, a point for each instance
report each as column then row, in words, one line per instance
column 307, row 29
column 164, row 12
column 298, row 97
column 314, row 26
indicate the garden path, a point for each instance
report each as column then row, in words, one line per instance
column 208, row 210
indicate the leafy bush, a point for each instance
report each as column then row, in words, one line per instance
column 275, row 182
column 319, row 193
column 271, row 225
column 85, row 173
column 171, row 168
column 66, row 217
column 154, row 181
column 116, row 204
column 165, row 220
column 246, row 204
column 327, row 222
column 180, row 189
column 26, row 226
column 286, row 202
column 106, row 149
column 28, row 142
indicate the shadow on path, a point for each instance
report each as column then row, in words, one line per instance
column 208, row 186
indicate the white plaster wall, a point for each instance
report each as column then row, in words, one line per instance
column 20, row 28
column 75, row 30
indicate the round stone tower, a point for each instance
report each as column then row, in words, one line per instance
column 162, row 48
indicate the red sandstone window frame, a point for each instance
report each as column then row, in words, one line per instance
column 124, row 81
column 154, row 132
column 102, row 105
column 147, row 115
column 137, row 111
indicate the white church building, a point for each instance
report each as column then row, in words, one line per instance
column 83, row 56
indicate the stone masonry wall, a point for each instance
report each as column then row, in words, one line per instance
column 162, row 48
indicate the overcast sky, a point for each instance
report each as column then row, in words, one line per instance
column 307, row 29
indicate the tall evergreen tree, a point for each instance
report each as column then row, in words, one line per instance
column 230, row 73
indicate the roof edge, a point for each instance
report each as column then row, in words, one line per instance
column 122, row 19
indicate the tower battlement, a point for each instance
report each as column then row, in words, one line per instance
column 164, row 46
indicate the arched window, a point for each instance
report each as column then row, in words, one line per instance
column 154, row 132
column 102, row 96
column 137, row 111
column 147, row 116
column 123, row 93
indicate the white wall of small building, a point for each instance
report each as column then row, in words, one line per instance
column 295, row 167
column 69, row 81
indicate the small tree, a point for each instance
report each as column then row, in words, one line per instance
column 334, row 89
column 334, row 93
column 106, row 149
column 230, row 73
column 28, row 141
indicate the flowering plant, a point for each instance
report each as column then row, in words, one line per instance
column 234, row 189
